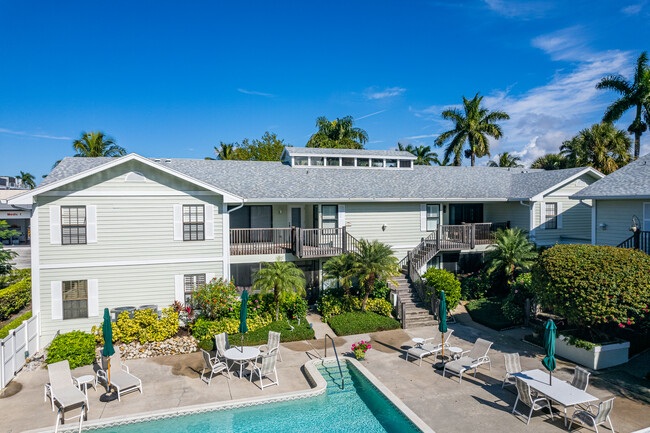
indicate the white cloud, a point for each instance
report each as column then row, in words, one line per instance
column 565, row 44
column 370, row 115
column 388, row 92
column 633, row 9
column 256, row 93
column 519, row 8
column 28, row 134
column 418, row 137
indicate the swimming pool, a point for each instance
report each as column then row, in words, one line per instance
column 359, row 407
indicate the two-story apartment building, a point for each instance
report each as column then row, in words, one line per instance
column 131, row 231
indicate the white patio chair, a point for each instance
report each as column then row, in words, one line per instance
column 470, row 359
column 273, row 345
column 512, row 366
column 121, row 378
column 213, row 365
column 430, row 346
column 595, row 419
column 65, row 393
column 221, row 344
column 268, row 366
column 580, row 378
column 524, row 396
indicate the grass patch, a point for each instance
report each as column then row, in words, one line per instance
column 357, row 322
column 261, row 335
column 14, row 324
column 487, row 311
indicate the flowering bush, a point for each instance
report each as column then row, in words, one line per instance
column 359, row 349
column 217, row 299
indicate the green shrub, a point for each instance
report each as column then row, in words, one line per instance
column 334, row 302
column 217, row 299
column 204, row 328
column 438, row 280
column 361, row 323
column 593, row 285
column 15, row 297
column 14, row 276
column 260, row 335
column 515, row 303
column 77, row 347
column 14, row 324
column 380, row 306
column 145, row 326
column 381, row 290
column 474, row 287
column 488, row 312
column 207, row 344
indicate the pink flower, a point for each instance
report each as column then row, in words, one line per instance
column 620, row 325
column 516, row 291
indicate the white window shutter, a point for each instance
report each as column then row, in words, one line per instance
column 542, row 215
column 341, row 215
column 178, row 222
column 423, row 217
column 91, row 224
column 646, row 217
column 209, row 221
column 56, row 292
column 93, row 298
column 559, row 215
column 210, row 276
column 55, row 225
column 179, row 288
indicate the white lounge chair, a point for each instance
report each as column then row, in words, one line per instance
column 121, row 378
column 273, row 345
column 65, row 393
column 268, row 366
column 524, row 396
column 513, row 365
column 470, row 359
column 430, row 346
column 595, row 419
column 213, row 365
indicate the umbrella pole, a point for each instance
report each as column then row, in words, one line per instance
column 550, row 378
column 443, row 347
column 241, row 346
column 109, row 376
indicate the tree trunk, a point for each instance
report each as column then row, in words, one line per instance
column 277, row 303
column 370, row 285
column 637, row 144
column 473, row 159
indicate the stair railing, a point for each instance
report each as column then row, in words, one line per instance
column 337, row 358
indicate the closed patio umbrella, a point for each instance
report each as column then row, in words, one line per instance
column 549, row 347
column 243, row 314
column 107, row 352
column 442, row 323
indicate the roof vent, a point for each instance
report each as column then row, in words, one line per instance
column 156, row 160
column 168, row 161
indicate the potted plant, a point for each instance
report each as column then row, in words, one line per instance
column 359, row 349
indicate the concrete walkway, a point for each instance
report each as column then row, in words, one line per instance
column 320, row 328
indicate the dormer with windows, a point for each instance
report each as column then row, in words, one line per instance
column 306, row 157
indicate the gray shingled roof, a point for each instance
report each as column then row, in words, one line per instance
column 631, row 181
column 362, row 153
column 259, row 181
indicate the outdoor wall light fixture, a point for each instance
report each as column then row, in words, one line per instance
column 384, row 227
column 603, row 226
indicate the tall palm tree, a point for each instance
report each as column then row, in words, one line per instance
column 28, row 179
column 602, row 146
column 374, row 260
column 505, row 159
column 226, row 151
column 633, row 94
column 474, row 124
column 550, row 161
column 339, row 134
column 403, row 148
column 96, row 144
column 511, row 252
column 279, row 277
column 340, row 269
column 424, row 155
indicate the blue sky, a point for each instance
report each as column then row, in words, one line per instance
column 172, row 79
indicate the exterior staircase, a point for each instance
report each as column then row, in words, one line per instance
column 416, row 311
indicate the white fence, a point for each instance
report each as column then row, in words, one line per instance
column 19, row 344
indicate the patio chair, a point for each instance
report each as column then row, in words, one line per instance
column 470, row 359
column 595, row 419
column 268, row 366
column 65, row 393
column 430, row 346
column 273, row 345
column 221, row 344
column 121, row 378
column 580, row 378
column 213, row 365
column 512, row 366
column 524, row 396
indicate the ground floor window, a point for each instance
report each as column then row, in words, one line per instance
column 75, row 299
column 191, row 283
column 550, row 216
column 242, row 273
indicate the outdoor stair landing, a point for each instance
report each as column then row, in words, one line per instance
column 417, row 313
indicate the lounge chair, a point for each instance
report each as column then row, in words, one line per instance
column 121, row 378
column 64, row 392
column 512, row 366
column 470, row 359
column 273, row 345
column 595, row 419
column 430, row 346
column 213, row 365
column 524, row 396
column 268, row 366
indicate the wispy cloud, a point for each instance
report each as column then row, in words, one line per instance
column 371, row 114
column 523, row 9
column 256, row 93
column 417, row 137
column 633, row 9
column 565, row 44
column 388, row 92
column 28, row 134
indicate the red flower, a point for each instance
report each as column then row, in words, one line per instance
column 620, row 325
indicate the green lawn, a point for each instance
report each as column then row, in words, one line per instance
column 357, row 322
column 261, row 335
column 487, row 311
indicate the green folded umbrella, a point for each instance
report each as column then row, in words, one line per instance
column 549, row 347
column 108, row 350
column 243, row 314
column 442, row 323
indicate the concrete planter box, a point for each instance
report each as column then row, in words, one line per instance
column 607, row 355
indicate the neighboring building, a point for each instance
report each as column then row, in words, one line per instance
column 621, row 204
column 130, row 231
column 16, row 217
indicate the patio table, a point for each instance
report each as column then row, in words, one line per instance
column 241, row 357
column 560, row 391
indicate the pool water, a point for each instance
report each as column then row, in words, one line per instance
column 359, row 407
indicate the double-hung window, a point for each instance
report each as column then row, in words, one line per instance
column 75, row 299
column 433, row 217
column 330, row 216
column 550, row 216
column 193, row 222
column 191, row 283
column 73, row 225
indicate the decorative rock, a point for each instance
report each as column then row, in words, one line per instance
column 172, row 346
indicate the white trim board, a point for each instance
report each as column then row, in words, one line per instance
column 131, row 263
column 589, row 170
column 109, row 193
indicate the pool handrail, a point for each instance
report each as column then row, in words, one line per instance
column 337, row 358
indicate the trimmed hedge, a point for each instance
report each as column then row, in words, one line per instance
column 15, row 297
column 438, row 280
column 488, row 312
column 205, row 329
column 261, row 335
column 593, row 285
column 361, row 323
column 14, row 324
column 77, row 347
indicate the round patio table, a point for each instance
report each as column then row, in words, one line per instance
column 241, row 357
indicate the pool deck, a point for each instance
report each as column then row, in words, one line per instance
column 478, row 404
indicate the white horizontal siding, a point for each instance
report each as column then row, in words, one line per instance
column 517, row 214
column 617, row 214
column 402, row 220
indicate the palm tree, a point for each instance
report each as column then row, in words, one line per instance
column 340, row 269
column 374, row 260
column 512, row 251
column 550, row 161
column 28, row 179
column 602, row 146
column 279, row 277
column 424, row 155
column 339, row 134
column 225, row 152
column 634, row 94
column 473, row 125
column 505, row 159
column 407, row 148
column 96, row 144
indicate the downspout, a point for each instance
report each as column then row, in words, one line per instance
column 226, row 241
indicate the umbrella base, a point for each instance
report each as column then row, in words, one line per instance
column 107, row 397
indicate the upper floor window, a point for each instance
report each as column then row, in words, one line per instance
column 433, row 217
column 191, row 283
column 330, row 216
column 550, row 215
column 193, row 222
column 75, row 299
column 73, row 225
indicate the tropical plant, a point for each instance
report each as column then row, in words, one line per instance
column 95, row 144
column 505, row 159
column 438, row 280
column 635, row 95
column 373, row 261
column 217, row 299
column 279, row 277
column 339, row 134
column 511, row 252
column 28, row 179
column 424, row 155
column 226, row 151
column 550, row 161
column 405, row 148
column 340, row 269
column 602, row 146
column 474, row 124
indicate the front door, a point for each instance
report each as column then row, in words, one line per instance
column 467, row 213
column 296, row 217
